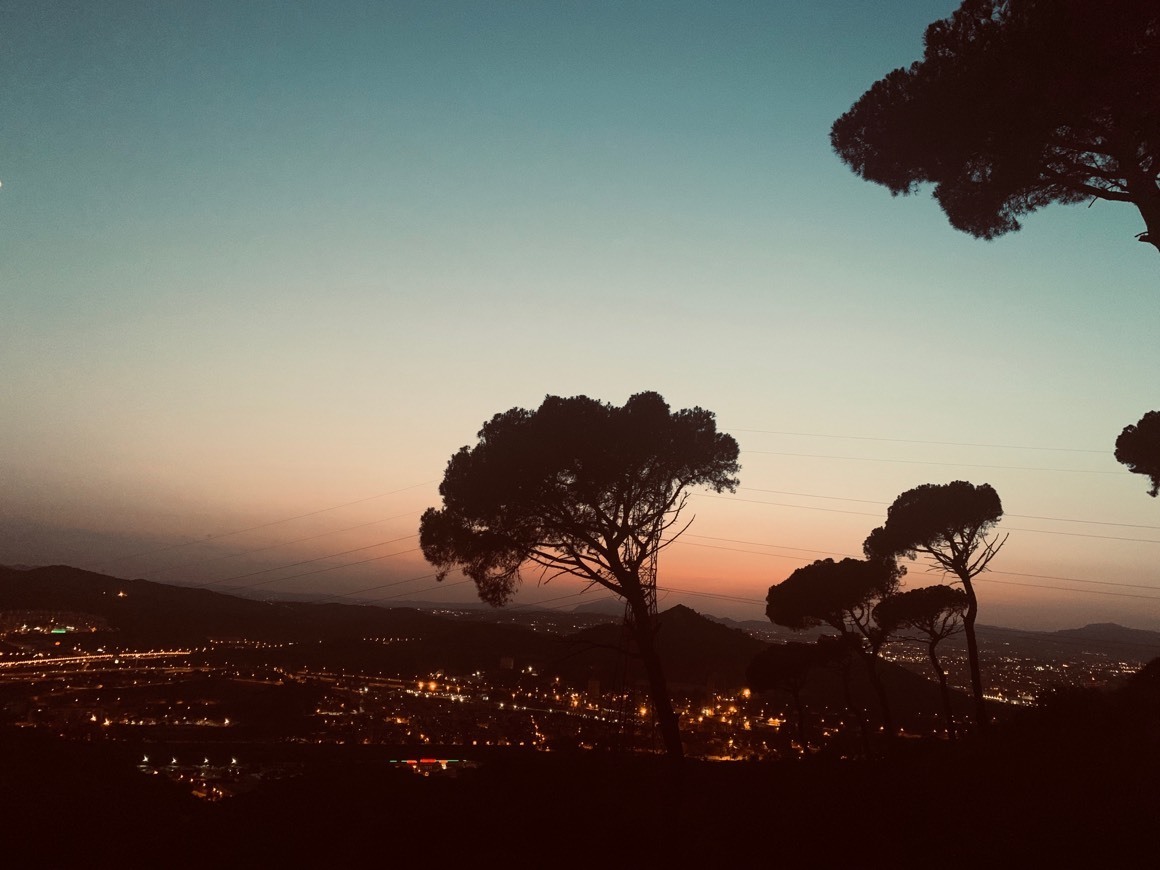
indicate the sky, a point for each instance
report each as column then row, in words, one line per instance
column 264, row 267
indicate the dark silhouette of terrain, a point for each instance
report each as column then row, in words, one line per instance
column 1105, row 637
column 1069, row 782
column 1109, row 633
column 1054, row 787
column 698, row 653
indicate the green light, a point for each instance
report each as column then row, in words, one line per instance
column 59, row 631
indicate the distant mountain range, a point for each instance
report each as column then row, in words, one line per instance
column 1106, row 638
column 700, row 653
column 63, row 587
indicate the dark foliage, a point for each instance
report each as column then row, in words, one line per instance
column 841, row 595
column 936, row 518
column 1138, row 447
column 786, row 666
column 950, row 524
column 838, row 594
column 1017, row 104
column 584, row 488
column 932, row 610
column 934, row 613
column 576, row 486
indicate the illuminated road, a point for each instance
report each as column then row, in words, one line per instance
column 95, row 658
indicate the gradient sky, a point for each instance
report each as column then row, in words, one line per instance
column 267, row 260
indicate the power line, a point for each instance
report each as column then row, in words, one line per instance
column 812, row 495
column 917, row 441
column 925, row 462
column 370, row 589
column 1075, row 580
column 1001, row 573
column 332, row 568
column 828, row 552
column 304, row 562
column 434, row 588
column 280, row 545
column 762, row 544
column 1088, row 522
column 437, row 586
column 847, row 555
column 806, row 507
column 1019, row 516
column 324, row 570
column 758, row 552
column 1066, row 589
column 537, row 604
column 1082, row 535
column 263, row 525
column 713, row 595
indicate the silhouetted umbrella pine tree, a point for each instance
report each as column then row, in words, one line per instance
column 841, row 595
column 1017, row 104
column 935, row 613
column 950, row 524
column 582, row 488
column 1138, row 447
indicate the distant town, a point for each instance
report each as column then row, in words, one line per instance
column 226, row 714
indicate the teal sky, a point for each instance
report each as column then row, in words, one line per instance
column 259, row 260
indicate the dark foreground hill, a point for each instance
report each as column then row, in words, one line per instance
column 1009, row 802
column 1072, row 783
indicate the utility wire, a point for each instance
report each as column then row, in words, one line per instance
column 917, row 441
column 434, row 588
column 304, row 562
column 1001, row 573
column 1065, row 589
column 925, row 462
column 848, row 555
column 763, row 544
column 280, row 545
column 324, row 570
column 370, row 589
column 806, row 507
column 264, row 525
column 758, row 552
column 1019, row 516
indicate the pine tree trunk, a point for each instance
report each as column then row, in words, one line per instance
column 801, row 719
column 849, row 697
column 973, row 653
column 879, row 690
column 1146, row 197
column 644, row 631
column 948, row 714
column 1152, row 221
